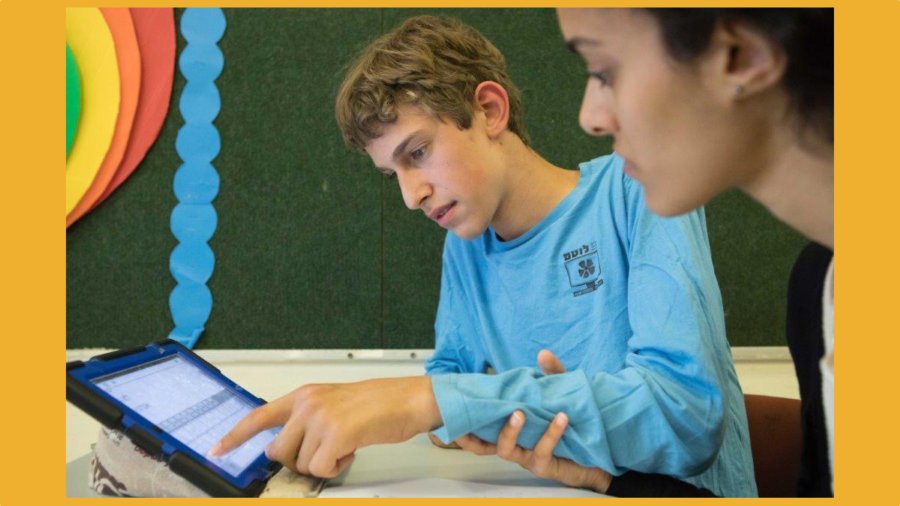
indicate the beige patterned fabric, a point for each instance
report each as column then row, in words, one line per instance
column 123, row 469
column 120, row 468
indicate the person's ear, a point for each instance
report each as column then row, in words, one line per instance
column 746, row 62
column 492, row 100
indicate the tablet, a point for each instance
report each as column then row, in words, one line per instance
column 176, row 406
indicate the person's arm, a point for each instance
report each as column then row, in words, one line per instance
column 663, row 412
column 450, row 355
column 540, row 460
column 323, row 425
column 544, row 464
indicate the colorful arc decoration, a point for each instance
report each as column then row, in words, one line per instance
column 119, row 70
column 128, row 58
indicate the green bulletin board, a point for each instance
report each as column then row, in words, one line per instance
column 314, row 249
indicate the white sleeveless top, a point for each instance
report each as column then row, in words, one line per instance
column 826, row 365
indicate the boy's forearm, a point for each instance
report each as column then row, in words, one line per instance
column 403, row 407
column 425, row 404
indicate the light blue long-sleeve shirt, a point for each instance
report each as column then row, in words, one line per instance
column 630, row 304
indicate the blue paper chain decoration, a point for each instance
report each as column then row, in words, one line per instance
column 196, row 184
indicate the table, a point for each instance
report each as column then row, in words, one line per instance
column 415, row 468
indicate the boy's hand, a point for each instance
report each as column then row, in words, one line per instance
column 440, row 444
column 540, row 461
column 325, row 424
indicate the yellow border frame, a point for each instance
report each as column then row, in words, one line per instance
column 867, row 85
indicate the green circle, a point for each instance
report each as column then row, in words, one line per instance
column 73, row 98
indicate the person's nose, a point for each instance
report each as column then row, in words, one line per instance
column 597, row 116
column 414, row 188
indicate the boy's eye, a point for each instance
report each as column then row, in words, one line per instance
column 417, row 154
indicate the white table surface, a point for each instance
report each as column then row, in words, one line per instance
column 415, row 468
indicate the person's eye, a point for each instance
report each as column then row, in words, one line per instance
column 417, row 154
column 601, row 75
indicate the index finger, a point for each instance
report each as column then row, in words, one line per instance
column 264, row 417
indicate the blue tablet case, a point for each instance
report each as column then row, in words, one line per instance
column 87, row 396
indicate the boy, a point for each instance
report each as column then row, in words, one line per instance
column 538, row 257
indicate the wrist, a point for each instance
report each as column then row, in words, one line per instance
column 601, row 481
column 425, row 409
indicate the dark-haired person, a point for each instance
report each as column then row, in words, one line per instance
column 702, row 100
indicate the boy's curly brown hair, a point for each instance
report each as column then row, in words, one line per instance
column 431, row 62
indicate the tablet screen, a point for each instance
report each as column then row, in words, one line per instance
column 185, row 401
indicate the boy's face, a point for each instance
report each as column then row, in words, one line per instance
column 452, row 175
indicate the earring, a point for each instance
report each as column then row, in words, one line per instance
column 738, row 90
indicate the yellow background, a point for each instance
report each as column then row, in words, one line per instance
column 32, row 252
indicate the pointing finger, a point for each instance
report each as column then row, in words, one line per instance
column 264, row 417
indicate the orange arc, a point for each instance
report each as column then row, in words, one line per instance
column 155, row 30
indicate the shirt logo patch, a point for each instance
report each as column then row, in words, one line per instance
column 583, row 269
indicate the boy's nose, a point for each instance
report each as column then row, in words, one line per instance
column 413, row 188
column 596, row 116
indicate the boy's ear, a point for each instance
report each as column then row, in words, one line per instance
column 492, row 100
column 745, row 61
